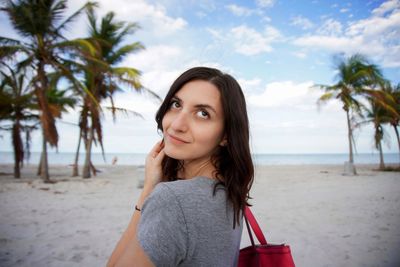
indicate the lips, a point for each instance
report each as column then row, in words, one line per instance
column 175, row 139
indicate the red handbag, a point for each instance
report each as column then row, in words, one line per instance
column 263, row 254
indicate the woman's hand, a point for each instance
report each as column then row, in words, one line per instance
column 153, row 172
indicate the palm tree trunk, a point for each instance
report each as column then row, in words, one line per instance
column 17, row 172
column 86, row 166
column 18, row 148
column 93, row 168
column 350, row 134
column 39, row 170
column 44, row 170
column 398, row 138
column 381, row 162
column 349, row 167
column 75, row 169
column 49, row 130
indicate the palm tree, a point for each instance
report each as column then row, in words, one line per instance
column 58, row 101
column 354, row 75
column 41, row 47
column 103, row 77
column 388, row 99
column 377, row 115
column 394, row 96
column 16, row 105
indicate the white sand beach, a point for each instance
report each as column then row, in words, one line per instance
column 327, row 218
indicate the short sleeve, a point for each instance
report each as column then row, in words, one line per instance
column 162, row 230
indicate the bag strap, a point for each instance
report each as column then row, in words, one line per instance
column 249, row 231
column 254, row 225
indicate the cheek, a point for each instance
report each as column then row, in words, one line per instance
column 210, row 137
column 165, row 121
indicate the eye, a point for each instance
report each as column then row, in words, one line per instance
column 203, row 114
column 174, row 104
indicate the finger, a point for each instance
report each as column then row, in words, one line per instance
column 156, row 149
column 160, row 155
column 160, row 145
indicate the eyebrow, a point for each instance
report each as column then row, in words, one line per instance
column 206, row 106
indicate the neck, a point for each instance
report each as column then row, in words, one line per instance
column 193, row 168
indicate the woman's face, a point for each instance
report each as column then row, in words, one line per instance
column 193, row 125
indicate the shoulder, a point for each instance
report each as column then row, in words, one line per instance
column 184, row 187
column 182, row 194
column 162, row 197
column 178, row 198
column 173, row 191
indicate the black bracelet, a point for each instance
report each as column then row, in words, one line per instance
column 136, row 208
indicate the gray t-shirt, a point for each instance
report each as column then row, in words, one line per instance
column 183, row 224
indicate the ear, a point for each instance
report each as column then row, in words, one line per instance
column 223, row 142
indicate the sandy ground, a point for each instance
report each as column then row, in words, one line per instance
column 327, row 218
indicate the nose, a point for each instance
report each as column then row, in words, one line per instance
column 179, row 122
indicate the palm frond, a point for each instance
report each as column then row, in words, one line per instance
column 327, row 96
column 10, row 41
column 67, row 21
column 127, row 29
column 151, row 94
column 118, row 55
column 25, row 63
column 83, row 44
column 124, row 111
column 9, row 52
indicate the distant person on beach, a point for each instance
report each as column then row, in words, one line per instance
column 114, row 160
column 197, row 178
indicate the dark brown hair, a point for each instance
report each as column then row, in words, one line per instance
column 233, row 162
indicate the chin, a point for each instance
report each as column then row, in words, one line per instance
column 173, row 154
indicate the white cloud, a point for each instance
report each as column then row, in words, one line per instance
column 151, row 16
column 242, row 11
column 205, row 5
column 249, row 86
column 210, row 64
column 158, row 64
column 265, row 3
column 387, row 6
column 201, row 14
column 377, row 36
column 330, row 27
column 392, row 57
column 250, row 83
column 266, row 19
column 154, row 57
column 335, row 44
column 302, row 22
column 342, row 44
column 287, row 94
column 249, row 41
column 216, row 34
column 344, row 10
column 299, row 54
column 374, row 26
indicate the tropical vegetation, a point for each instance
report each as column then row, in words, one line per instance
column 366, row 96
column 103, row 76
column 80, row 73
column 18, row 107
column 41, row 48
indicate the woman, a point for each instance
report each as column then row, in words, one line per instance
column 197, row 179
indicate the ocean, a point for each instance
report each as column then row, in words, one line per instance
column 262, row 159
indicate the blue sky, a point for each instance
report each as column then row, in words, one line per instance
column 276, row 49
